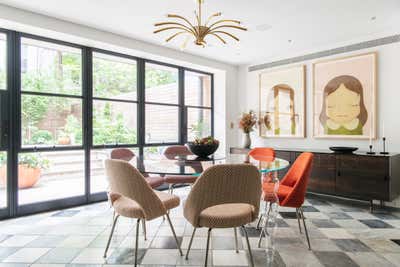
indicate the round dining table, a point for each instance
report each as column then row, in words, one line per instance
column 193, row 165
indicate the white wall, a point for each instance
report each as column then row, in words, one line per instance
column 225, row 75
column 388, row 108
column 388, row 102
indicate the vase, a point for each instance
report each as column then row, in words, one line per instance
column 246, row 140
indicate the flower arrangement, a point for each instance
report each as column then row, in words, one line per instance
column 248, row 121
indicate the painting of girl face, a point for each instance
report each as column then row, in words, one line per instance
column 344, row 104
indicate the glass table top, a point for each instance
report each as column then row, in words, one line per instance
column 191, row 165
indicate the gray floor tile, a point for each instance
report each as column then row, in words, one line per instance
column 225, row 243
column 376, row 224
column 5, row 252
column 125, row 256
column 165, row 242
column 46, row 241
column 335, row 259
column 59, row 255
column 338, row 216
column 351, row 245
column 324, row 223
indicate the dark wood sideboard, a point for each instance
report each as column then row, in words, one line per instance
column 358, row 175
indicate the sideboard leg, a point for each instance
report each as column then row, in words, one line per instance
column 382, row 204
column 371, row 206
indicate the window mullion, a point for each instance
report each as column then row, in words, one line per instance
column 141, row 87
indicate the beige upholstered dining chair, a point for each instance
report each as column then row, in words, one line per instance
column 170, row 153
column 154, row 181
column 131, row 196
column 224, row 196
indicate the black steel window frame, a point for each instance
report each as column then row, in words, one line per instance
column 186, row 107
column 14, row 130
column 95, row 98
column 178, row 105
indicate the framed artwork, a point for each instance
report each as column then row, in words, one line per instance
column 345, row 97
column 282, row 103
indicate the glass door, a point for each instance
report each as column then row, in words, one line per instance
column 4, row 127
column 51, row 156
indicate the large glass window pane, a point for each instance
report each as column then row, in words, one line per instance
column 198, row 122
column 162, row 124
column 162, row 84
column 197, row 89
column 51, row 120
column 51, row 68
column 153, row 152
column 114, row 122
column 50, row 175
column 3, row 61
column 114, row 77
column 3, row 179
column 98, row 178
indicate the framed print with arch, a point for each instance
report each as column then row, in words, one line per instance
column 282, row 103
column 345, row 97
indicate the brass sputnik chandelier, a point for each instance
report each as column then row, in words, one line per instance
column 182, row 26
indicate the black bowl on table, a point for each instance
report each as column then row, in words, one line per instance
column 203, row 150
column 343, row 149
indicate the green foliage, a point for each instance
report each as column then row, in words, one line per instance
column 200, row 128
column 3, row 79
column 110, row 128
column 155, row 77
column 111, row 78
column 73, row 128
column 42, row 137
column 33, row 160
column 33, row 109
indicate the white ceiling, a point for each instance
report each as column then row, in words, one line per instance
column 310, row 24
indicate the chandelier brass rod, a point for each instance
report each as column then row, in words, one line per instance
column 219, row 37
column 180, row 17
column 174, row 23
column 228, row 26
column 174, row 35
column 226, row 33
column 212, row 16
column 171, row 28
column 224, row 20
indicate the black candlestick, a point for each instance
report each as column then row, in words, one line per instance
column 370, row 152
column 384, row 147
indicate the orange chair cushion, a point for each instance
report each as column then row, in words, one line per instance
column 268, row 189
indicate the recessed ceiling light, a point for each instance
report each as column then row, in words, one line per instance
column 290, row 41
column 263, row 27
column 373, row 18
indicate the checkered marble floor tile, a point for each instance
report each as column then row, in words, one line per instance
column 342, row 234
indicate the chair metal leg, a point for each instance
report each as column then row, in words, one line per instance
column 259, row 221
column 208, row 245
column 137, row 240
column 248, row 246
column 171, row 189
column 173, row 232
column 144, row 229
column 111, row 234
column 305, row 228
column 298, row 218
column 190, row 243
column 236, row 240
